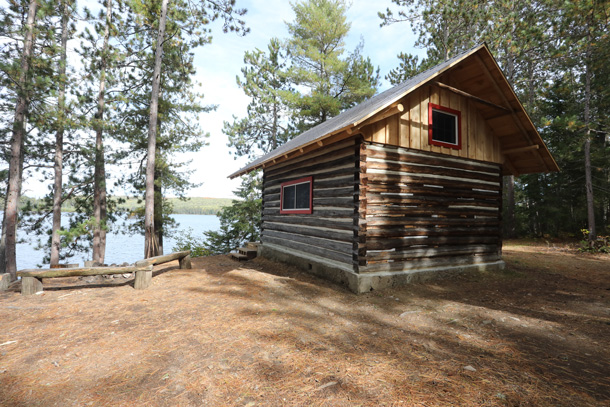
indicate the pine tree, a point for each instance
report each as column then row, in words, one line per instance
column 266, row 126
column 15, row 172
column 332, row 80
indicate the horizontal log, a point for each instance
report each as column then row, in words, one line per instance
column 326, row 233
column 350, row 191
column 320, row 193
column 419, row 157
column 403, row 255
column 82, row 271
column 383, row 221
column 334, row 181
column 314, row 168
column 378, row 243
column 467, row 193
column 317, row 176
column 163, row 258
column 419, row 211
column 333, row 245
column 309, row 220
column 334, row 202
column 437, row 181
column 434, row 170
column 378, row 199
column 312, row 155
column 428, row 263
column 330, row 160
column 432, row 231
column 317, row 251
column 319, row 212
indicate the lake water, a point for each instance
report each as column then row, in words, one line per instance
column 119, row 247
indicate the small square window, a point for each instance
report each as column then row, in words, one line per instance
column 444, row 126
column 296, row 196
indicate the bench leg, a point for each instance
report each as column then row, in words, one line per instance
column 30, row 285
column 185, row 262
column 5, row 280
column 143, row 279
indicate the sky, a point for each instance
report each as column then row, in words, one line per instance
column 220, row 62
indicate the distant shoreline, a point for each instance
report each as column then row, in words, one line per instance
column 192, row 206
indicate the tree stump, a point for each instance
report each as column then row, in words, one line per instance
column 30, row 285
column 143, row 279
column 5, row 280
column 185, row 262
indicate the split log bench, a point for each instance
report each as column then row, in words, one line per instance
column 183, row 257
column 31, row 280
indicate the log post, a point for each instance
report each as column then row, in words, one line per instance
column 143, row 279
column 5, row 280
column 185, row 262
column 30, row 285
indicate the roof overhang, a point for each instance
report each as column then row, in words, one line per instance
column 478, row 75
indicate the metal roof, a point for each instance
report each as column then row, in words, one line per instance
column 358, row 114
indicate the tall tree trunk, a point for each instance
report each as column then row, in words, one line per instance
column 11, row 212
column 588, row 177
column 151, row 246
column 158, row 210
column 59, row 138
column 99, row 178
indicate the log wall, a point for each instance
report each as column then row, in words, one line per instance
column 410, row 128
column 419, row 209
column 328, row 232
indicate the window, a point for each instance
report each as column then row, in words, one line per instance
column 296, row 196
column 444, row 127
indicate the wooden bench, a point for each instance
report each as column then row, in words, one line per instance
column 183, row 257
column 31, row 280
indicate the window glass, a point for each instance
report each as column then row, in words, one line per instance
column 302, row 196
column 289, row 198
column 296, row 196
column 444, row 126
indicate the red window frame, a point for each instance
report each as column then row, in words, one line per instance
column 297, row 211
column 457, row 113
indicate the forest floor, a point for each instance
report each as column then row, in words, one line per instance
column 263, row 334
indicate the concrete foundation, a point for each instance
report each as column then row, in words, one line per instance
column 365, row 282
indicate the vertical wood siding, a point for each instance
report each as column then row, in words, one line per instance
column 420, row 209
column 410, row 129
column 328, row 232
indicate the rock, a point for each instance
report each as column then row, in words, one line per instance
column 127, row 275
column 470, row 368
column 125, row 264
column 404, row 314
column 326, row 385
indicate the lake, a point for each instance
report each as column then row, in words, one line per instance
column 119, row 247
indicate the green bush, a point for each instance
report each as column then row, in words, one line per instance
column 185, row 240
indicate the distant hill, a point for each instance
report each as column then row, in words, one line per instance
column 193, row 206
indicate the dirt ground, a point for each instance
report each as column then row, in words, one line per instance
column 262, row 334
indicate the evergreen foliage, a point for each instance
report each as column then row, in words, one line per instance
column 555, row 56
column 301, row 82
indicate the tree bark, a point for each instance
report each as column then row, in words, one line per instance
column 588, row 177
column 159, row 211
column 17, row 141
column 59, row 138
column 99, row 178
column 151, row 246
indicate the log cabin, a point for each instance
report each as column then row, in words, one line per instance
column 406, row 185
